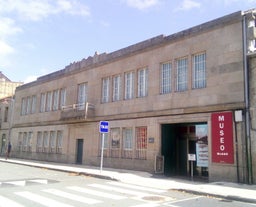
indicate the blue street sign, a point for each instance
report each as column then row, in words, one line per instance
column 103, row 127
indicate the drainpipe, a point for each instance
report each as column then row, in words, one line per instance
column 247, row 115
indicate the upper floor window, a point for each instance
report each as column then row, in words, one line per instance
column 199, row 71
column 105, row 89
column 143, row 82
column 129, row 85
column 49, row 101
column 82, row 95
column 117, row 88
column 6, row 112
column 33, row 104
column 182, row 74
column 55, row 105
column 62, row 97
column 28, row 108
column 42, row 102
column 23, row 106
column 166, row 78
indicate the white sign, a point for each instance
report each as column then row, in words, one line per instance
column 192, row 157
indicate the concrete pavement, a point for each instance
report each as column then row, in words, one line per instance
column 233, row 191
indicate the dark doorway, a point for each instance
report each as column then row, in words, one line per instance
column 179, row 140
column 79, row 151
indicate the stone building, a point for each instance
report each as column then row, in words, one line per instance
column 175, row 104
column 7, row 90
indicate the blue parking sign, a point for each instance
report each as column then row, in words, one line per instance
column 103, row 127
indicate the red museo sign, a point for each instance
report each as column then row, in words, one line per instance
column 222, row 138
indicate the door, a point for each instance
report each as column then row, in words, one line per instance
column 79, row 151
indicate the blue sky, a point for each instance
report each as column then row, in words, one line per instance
column 38, row 37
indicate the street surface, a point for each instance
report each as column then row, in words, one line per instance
column 24, row 186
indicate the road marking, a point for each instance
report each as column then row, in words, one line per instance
column 41, row 181
column 185, row 199
column 7, row 202
column 146, row 205
column 18, row 183
column 41, row 199
column 119, row 190
column 137, row 187
column 71, row 196
column 96, row 193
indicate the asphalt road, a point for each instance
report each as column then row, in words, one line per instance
column 33, row 187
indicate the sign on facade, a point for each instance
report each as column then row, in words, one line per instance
column 222, row 138
column 104, row 127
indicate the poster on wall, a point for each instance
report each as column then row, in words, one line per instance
column 202, row 145
column 222, row 138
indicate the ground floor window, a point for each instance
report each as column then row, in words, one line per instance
column 127, row 143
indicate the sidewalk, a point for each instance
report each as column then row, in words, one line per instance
column 233, row 191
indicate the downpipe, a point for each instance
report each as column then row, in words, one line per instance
column 247, row 105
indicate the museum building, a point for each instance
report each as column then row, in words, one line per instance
column 179, row 105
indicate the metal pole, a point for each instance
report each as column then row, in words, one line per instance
column 192, row 170
column 102, row 151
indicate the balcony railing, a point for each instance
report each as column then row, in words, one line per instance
column 77, row 111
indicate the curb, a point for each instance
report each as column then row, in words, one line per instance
column 229, row 197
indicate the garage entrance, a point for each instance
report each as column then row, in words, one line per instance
column 179, row 140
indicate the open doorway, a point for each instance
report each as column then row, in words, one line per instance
column 179, row 140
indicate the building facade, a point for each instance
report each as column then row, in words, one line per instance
column 175, row 105
column 7, row 90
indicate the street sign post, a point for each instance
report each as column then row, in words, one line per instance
column 103, row 130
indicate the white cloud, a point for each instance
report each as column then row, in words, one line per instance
column 8, row 27
column 188, row 5
column 5, row 48
column 141, row 4
column 36, row 10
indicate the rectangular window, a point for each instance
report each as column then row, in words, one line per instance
column 52, row 141
column 105, row 89
column 143, row 82
column 141, row 142
column 6, row 113
column 166, row 78
column 49, row 101
column 24, row 144
column 117, row 88
column 62, row 97
column 30, row 135
column 127, row 150
column 199, row 71
column 42, row 102
column 39, row 142
column 55, row 106
column 82, row 96
column 23, row 106
column 59, row 141
column 115, row 142
column 45, row 141
column 182, row 74
column 20, row 141
column 129, row 85
column 33, row 104
column 28, row 108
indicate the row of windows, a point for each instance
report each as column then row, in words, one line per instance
column 181, row 79
column 47, row 141
column 49, row 101
column 125, row 144
column 55, row 100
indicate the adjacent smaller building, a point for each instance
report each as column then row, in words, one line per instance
column 7, row 90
